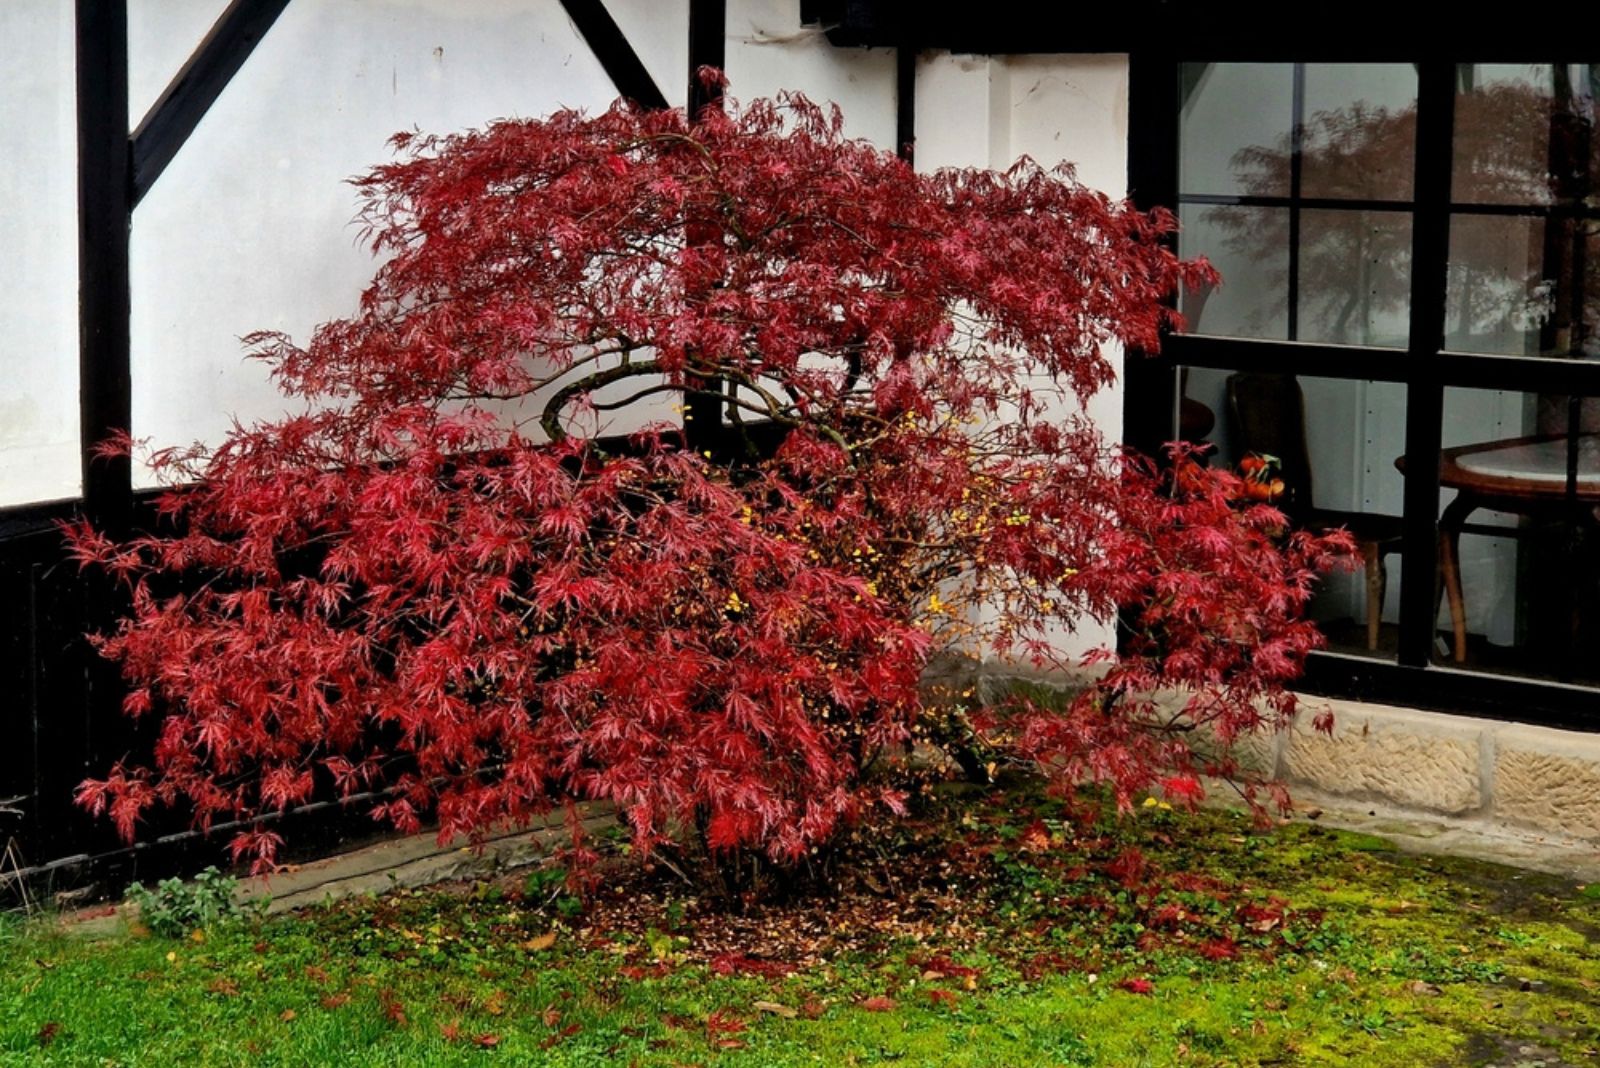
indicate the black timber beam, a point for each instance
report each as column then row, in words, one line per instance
column 610, row 46
column 105, row 395
column 905, row 103
column 1219, row 31
column 708, row 47
column 196, row 87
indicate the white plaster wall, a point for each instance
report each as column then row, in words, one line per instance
column 769, row 51
column 162, row 34
column 38, row 270
column 974, row 111
column 658, row 30
column 250, row 226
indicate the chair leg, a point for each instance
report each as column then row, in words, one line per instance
column 1376, row 581
column 1449, row 550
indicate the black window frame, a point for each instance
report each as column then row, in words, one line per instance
column 1425, row 367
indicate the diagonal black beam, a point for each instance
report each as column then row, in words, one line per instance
column 610, row 46
column 196, row 87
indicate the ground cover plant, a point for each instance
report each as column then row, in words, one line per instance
column 441, row 587
column 994, row 926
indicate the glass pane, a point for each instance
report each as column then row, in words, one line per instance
column 1513, row 289
column 1235, row 117
column 1524, row 134
column 1520, row 556
column 1355, row 277
column 1360, row 130
column 1333, row 443
column 1249, row 247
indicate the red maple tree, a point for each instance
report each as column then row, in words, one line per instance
column 441, row 583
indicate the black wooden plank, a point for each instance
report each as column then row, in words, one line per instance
column 104, row 389
column 1430, row 253
column 610, row 46
column 905, row 103
column 708, row 47
column 196, row 87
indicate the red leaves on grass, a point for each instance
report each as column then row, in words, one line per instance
column 739, row 964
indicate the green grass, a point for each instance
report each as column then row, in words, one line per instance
column 1346, row 953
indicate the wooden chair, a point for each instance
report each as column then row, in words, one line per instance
column 1268, row 416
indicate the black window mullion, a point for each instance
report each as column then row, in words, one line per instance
column 1154, row 102
column 1297, row 128
column 1430, row 250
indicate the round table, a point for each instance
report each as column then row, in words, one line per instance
column 1524, row 476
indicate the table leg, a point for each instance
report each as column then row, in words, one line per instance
column 1450, row 524
column 1375, row 585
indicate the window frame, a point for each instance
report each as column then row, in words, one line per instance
column 1425, row 367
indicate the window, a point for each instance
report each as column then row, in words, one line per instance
column 1408, row 325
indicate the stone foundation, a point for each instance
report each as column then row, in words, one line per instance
column 1461, row 771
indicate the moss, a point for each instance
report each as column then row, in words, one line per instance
column 1368, row 957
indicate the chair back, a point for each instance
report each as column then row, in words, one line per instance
column 1267, row 415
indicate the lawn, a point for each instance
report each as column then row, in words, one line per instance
column 994, row 928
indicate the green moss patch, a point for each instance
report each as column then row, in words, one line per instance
column 994, row 928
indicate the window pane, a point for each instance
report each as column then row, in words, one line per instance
column 1235, row 116
column 1355, row 277
column 1513, row 289
column 1334, row 443
column 1360, row 131
column 1520, row 562
column 1249, row 247
column 1524, row 134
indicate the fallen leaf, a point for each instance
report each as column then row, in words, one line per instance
column 1417, row 986
column 1137, row 986
column 47, row 1034
column 561, row 1035
column 451, row 1032
column 776, row 1009
column 540, row 943
column 879, row 1004
column 316, row 974
column 495, row 1004
column 197, row 936
column 392, row 1009
column 224, row 986
column 943, row 997
column 333, row 1001
column 486, row 1041
column 287, row 1014
column 552, row 1016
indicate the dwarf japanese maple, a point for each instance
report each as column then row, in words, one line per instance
column 444, row 587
